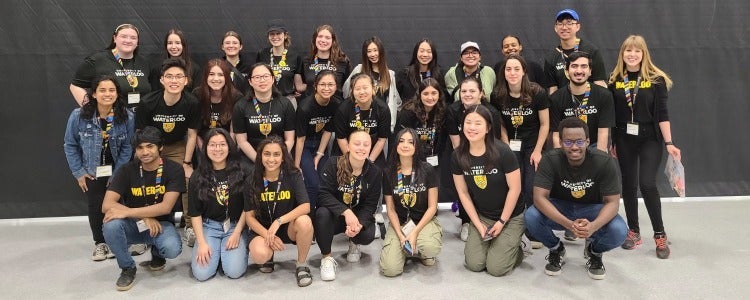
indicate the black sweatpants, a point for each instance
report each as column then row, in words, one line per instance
column 327, row 225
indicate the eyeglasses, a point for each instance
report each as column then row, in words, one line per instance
column 263, row 77
column 174, row 77
column 326, row 85
column 579, row 143
column 470, row 52
column 565, row 24
column 217, row 146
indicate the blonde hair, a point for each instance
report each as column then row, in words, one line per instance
column 648, row 71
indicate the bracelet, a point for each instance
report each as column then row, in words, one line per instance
column 320, row 153
column 668, row 143
column 501, row 221
column 187, row 162
column 279, row 220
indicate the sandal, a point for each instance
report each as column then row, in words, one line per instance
column 266, row 267
column 304, row 278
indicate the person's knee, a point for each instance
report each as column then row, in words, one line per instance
column 532, row 216
column 113, row 226
column 203, row 273
column 303, row 224
column 260, row 253
column 499, row 270
column 235, row 269
column 366, row 236
column 392, row 258
column 391, row 270
column 323, row 216
column 475, row 264
column 430, row 249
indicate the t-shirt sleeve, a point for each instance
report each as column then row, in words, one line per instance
column 549, row 73
column 238, row 118
column 598, row 70
column 542, row 100
column 85, row 73
column 555, row 112
column 508, row 158
column 387, row 184
column 195, row 205
column 607, row 117
column 384, row 122
column 142, row 115
column 451, row 122
column 289, row 119
column 300, row 192
column 194, row 113
column 120, row 182
column 432, row 177
column 544, row 173
column 661, row 96
column 248, row 193
column 609, row 176
column 174, row 180
column 340, row 122
column 298, row 65
column 301, row 123
column 455, row 167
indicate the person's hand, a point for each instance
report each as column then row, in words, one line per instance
column 115, row 213
column 82, row 182
column 316, row 160
column 496, row 229
column 582, row 228
column 276, row 243
column 674, row 152
column 352, row 224
column 481, row 228
column 271, row 232
column 154, row 227
column 188, row 170
column 412, row 238
column 535, row 158
column 234, row 240
column 202, row 253
column 613, row 151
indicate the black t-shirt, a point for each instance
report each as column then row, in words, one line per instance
column 412, row 200
column 312, row 118
column 650, row 104
column 278, row 198
column 129, row 184
column 488, row 188
column 173, row 121
column 291, row 65
column 597, row 114
column 527, row 116
column 408, row 88
column 535, row 72
column 243, row 65
column 376, row 120
column 431, row 135
column 214, row 120
column 455, row 118
column 104, row 63
column 311, row 66
column 554, row 64
column 278, row 112
column 361, row 196
column 597, row 177
column 213, row 208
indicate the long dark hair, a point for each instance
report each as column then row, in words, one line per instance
column 185, row 55
column 251, row 91
column 204, row 181
column 413, row 68
column 90, row 107
column 287, row 166
column 344, row 166
column 229, row 93
column 492, row 152
column 415, row 104
column 501, row 95
column 394, row 161
column 385, row 76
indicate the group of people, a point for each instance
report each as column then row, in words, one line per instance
column 295, row 149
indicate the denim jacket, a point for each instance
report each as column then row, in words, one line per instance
column 83, row 143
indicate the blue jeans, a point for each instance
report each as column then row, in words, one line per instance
column 608, row 237
column 311, row 175
column 233, row 262
column 120, row 233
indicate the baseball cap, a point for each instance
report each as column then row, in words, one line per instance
column 276, row 25
column 572, row 13
column 469, row 44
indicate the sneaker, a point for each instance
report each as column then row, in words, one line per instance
column 570, row 236
column 101, row 252
column 464, row 231
column 632, row 241
column 379, row 218
column 190, row 236
column 536, row 245
column 328, row 267
column 662, row 245
column 595, row 265
column 555, row 261
column 353, row 255
column 429, row 261
column 525, row 246
column 138, row 249
column 157, row 263
column 126, row 280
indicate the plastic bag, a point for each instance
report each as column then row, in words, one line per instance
column 676, row 175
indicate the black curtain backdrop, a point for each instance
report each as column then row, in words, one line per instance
column 703, row 45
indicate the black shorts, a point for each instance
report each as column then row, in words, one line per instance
column 282, row 233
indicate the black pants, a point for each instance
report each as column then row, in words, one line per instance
column 327, row 225
column 95, row 195
column 639, row 158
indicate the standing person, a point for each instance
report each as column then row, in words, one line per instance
column 426, row 114
column 325, row 54
column 579, row 98
column 471, row 93
column 231, row 46
column 285, row 62
column 216, row 98
column 411, row 197
column 524, row 108
column 469, row 65
column 488, row 182
column 511, row 44
column 121, row 60
column 277, row 210
column 176, row 46
column 216, row 209
column 314, row 128
column 175, row 112
column 374, row 63
column 138, row 205
column 423, row 65
column 264, row 113
column 349, row 192
column 567, row 25
column 97, row 144
column 640, row 91
column 577, row 188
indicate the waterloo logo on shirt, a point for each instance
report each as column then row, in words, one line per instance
column 577, row 189
column 150, row 190
column 408, row 194
column 272, row 196
column 126, row 72
column 364, row 124
column 320, row 67
column 480, row 177
column 320, row 122
column 517, row 114
column 645, row 84
column 168, row 121
column 581, row 113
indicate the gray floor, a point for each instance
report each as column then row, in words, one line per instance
column 49, row 258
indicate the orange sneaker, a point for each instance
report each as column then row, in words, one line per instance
column 632, row 241
column 662, row 245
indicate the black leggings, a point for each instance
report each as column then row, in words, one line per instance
column 95, row 195
column 327, row 225
column 639, row 158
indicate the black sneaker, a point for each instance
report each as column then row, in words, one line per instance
column 157, row 262
column 595, row 265
column 555, row 261
column 126, row 280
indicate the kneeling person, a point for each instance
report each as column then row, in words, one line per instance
column 138, row 205
column 578, row 189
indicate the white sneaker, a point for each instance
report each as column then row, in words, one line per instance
column 137, row 249
column 354, row 254
column 379, row 218
column 190, row 236
column 328, row 267
column 101, row 252
column 525, row 246
column 377, row 231
column 464, row 231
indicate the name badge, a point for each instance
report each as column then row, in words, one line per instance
column 141, row 226
column 226, row 225
column 632, row 128
column 408, row 227
column 432, row 160
column 103, row 171
column 515, row 145
column 134, row 98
